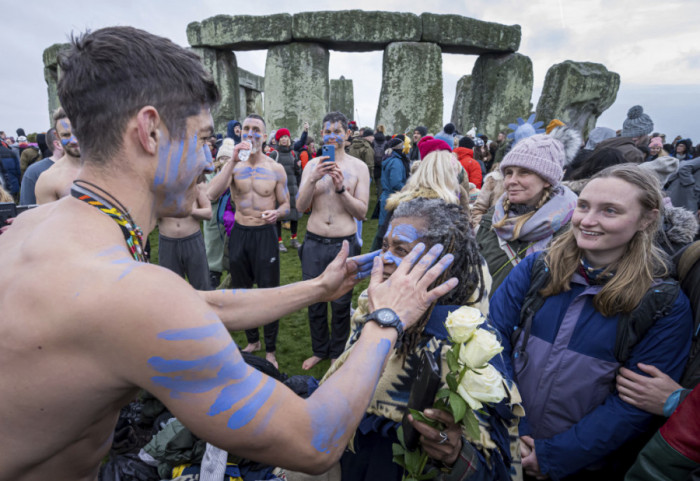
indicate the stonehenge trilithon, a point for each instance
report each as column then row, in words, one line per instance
column 460, row 108
column 241, row 32
column 221, row 64
column 501, row 89
column 411, row 87
column 577, row 93
column 342, row 97
column 251, row 87
column 458, row 34
column 296, row 86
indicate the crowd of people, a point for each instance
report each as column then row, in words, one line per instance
column 580, row 251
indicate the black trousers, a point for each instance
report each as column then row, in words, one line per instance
column 316, row 253
column 253, row 255
column 186, row 256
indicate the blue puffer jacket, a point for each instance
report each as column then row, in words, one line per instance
column 572, row 412
column 393, row 179
column 9, row 162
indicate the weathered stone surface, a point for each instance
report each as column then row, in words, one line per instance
column 411, row 87
column 342, row 97
column 460, row 107
column 356, row 30
column 50, row 55
column 457, row 34
column 250, row 81
column 241, row 32
column 254, row 102
column 501, row 91
column 577, row 93
column 296, row 86
column 51, row 77
column 221, row 64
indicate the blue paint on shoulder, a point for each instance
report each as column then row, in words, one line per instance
column 235, row 393
column 246, row 414
column 193, row 333
column 214, row 361
column 112, row 250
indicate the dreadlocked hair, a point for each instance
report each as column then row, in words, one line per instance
column 522, row 219
column 447, row 224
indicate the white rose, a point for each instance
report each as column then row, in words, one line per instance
column 462, row 323
column 480, row 349
column 484, row 385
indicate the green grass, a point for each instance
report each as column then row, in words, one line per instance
column 294, row 340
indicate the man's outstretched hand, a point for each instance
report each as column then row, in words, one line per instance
column 407, row 292
column 344, row 273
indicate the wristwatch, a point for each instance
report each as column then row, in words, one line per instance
column 341, row 190
column 387, row 318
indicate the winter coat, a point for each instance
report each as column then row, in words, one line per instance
column 491, row 191
column 10, row 169
column 288, row 160
column 394, row 177
column 363, row 150
column 625, row 145
column 471, row 166
column 28, row 157
column 567, row 376
column 683, row 187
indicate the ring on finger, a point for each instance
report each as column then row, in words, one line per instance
column 443, row 438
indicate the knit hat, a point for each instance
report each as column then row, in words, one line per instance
column 466, row 142
column 637, row 124
column 429, row 144
column 449, row 128
column 422, row 130
column 447, row 138
column 396, row 142
column 656, row 142
column 21, row 139
column 541, row 154
column 553, row 124
column 281, row 133
column 479, row 142
column 662, row 167
column 226, row 149
column 368, row 133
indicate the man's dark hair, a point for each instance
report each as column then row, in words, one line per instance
column 334, row 117
column 58, row 114
column 50, row 138
column 256, row 116
column 110, row 74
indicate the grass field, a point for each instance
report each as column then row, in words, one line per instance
column 294, row 341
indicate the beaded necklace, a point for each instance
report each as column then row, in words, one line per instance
column 133, row 235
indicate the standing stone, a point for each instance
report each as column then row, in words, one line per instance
column 577, row 93
column 51, row 72
column 221, row 64
column 296, row 86
column 253, row 102
column 411, row 87
column 460, row 108
column 342, row 97
column 500, row 92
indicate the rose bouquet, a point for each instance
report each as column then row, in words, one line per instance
column 471, row 382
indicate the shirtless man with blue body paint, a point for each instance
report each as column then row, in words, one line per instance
column 84, row 326
column 338, row 192
column 259, row 191
column 57, row 180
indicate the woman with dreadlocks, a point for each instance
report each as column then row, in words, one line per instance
column 430, row 221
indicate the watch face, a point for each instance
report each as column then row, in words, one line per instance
column 385, row 315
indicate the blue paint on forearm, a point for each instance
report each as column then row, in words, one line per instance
column 193, row 333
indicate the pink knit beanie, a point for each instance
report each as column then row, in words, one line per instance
column 541, row 154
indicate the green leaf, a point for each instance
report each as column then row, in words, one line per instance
column 452, row 381
column 458, row 405
column 443, row 393
column 413, row 461
column 399, row 460
column 452, row 361
column 399, row 434
column 397, row 449
column 418, row 416
column 471, row 423
column 441, row 404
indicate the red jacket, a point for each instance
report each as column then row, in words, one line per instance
column 466, row 158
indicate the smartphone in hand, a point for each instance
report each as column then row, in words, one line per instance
column 422, row 396
column 328, row 150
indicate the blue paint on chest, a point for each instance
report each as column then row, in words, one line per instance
column 256, row 173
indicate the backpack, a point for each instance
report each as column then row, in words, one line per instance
column 688, row 269
column 631, row 328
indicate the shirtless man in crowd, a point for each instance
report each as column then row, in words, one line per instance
column 56, row 182
column 260, row 194
column 181, row 243
column 84, row 325
column 338, row 193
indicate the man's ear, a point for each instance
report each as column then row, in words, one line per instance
column 148, row 123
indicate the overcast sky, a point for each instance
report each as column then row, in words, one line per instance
column 653, row 45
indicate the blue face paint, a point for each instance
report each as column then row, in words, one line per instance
column 391, row 258
column 407, row 233
column 71, row 140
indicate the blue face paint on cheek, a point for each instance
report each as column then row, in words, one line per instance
column 391, row 258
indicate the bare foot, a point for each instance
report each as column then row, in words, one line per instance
column 270, row 356
column 254, row 347
column 311, row 362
